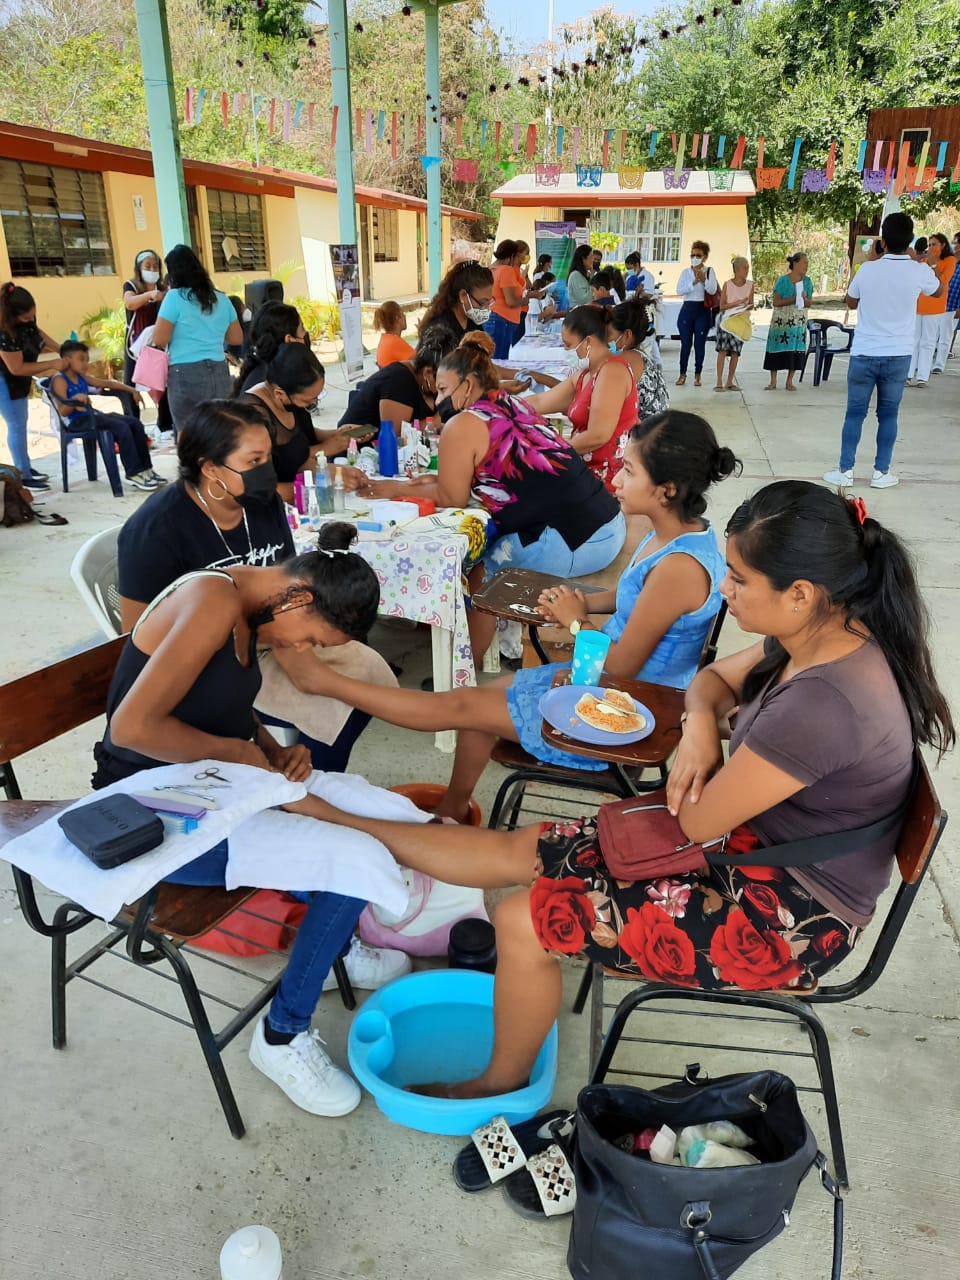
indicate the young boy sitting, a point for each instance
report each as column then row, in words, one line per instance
column 71, row 390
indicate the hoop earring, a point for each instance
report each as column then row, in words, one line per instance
column 218, row 497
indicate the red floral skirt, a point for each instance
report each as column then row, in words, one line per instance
column 750, row 927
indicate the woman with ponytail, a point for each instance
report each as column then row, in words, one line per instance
column 662, row 607
column 552, row 514
column 832, row 705
column 21, row 345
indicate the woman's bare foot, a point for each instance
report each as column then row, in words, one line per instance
column 449, row 807
column 478, row 1088
column 790, row 387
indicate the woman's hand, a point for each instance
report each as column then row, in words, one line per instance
column 699, row 756
column 335, row 444
column 564, row 605
column 354, row 479
column 244, row 752
column 293, row 762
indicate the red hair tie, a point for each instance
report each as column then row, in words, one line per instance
column 860, row 508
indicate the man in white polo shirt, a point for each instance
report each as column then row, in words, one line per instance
column 885, row 291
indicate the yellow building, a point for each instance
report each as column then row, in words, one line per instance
column 656, row 222
column 74, row 213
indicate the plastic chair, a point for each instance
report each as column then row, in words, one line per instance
column 154, row 934
column 919, row 836
column 94, row 574
column 823, row 355
column 91, row 437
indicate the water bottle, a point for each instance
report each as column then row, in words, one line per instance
column 324, row 491
column 387, row 449
column 312, row 519
column 252, row 1253
column 353, row 452
column 338, row 492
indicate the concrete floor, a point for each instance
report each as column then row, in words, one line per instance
column 118, row 1162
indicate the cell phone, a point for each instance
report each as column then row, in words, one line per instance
column 360, row 433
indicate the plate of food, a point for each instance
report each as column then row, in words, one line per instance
column 601, row 717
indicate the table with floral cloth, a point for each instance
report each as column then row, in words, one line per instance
column 420, row 574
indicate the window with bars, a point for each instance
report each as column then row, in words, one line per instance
column 236, row 231
column 653, row 233
column 54, row 220
column 385, row 224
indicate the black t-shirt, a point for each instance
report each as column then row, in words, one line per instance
column 395, row 382
column 28, row 340
column 139, row 319
column 291, row 449
column 169, row 535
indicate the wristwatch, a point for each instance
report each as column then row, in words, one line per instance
column 575, row 626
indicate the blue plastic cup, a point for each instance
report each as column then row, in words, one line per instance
column 589, row 654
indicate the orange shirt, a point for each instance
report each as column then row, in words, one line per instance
column 927, row 306
column 509, row 277
column 391, row 349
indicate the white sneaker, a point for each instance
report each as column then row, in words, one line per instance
column 305, row 1073
column 840, row 479
column 370, row 968
column 884, row 480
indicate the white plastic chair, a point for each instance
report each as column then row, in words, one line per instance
column 94, row 572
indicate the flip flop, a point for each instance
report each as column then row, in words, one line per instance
column 496, row 1150
column 52, row 518
column 545, row 1187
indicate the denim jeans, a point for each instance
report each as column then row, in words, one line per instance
column 550, row 554
column 14, row 414
column 504, row 334
column 189, row 384
column 130, row 437
column 323, row 936
column 889, row 375
column 693, row 325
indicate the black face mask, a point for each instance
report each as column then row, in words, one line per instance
column 445, row 409
column 259, row 483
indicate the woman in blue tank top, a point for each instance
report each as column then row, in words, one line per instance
column 662, row 609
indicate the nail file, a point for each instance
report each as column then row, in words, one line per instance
column 175, row 802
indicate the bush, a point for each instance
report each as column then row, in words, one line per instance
column 106, row 330
column 320, row 319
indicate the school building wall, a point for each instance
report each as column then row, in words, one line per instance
column 722, row 226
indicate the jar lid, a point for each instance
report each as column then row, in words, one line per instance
column 472, row 936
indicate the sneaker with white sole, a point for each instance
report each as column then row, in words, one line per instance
column 841, row 479
column 143, row 480
column 370, row 968
column 304, row 1071
column 884, row 480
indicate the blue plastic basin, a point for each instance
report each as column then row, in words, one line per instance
column 437, row 1026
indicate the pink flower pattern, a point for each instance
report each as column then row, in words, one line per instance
column 670, row 896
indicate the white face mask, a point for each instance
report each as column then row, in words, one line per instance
column 150, row 277
column 580, row 364
column 696, row 262
column 479, row 315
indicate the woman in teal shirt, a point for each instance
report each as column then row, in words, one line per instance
column 194, row 322
column 787, row 339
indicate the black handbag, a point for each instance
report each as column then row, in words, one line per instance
column 112, row 830
column 637, row 1220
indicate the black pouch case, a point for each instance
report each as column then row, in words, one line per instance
column 112, row 830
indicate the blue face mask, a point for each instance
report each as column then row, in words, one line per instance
column 614, row 348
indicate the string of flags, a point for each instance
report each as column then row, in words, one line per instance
column 621, row 150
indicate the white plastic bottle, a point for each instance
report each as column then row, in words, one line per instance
column 252, row 1253
column 338, row 490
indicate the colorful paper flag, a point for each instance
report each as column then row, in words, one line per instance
column 224, row 110
column 287, row 119
column 381, row 124
column 792, row 176
column 393, row 135
column 653, row 143
column 681, row 152
column 721, row 146
column 531, row 141
column 559, row 141
column 832, row 160
column 297, row 114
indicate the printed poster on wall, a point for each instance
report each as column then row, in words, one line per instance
column 559, row 240
column 346, row 275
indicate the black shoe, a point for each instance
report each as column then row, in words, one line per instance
column 38, row 475
column 31, row 482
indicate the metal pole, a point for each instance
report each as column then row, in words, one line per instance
column 549, row 111
column 162, row 121
column 431, row 33
column 340, row 77
column 256, row 135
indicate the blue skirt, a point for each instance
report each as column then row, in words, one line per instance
column 523, row 703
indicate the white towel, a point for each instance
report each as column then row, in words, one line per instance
column 45, row 852
column 268, row 849
column 290, row 851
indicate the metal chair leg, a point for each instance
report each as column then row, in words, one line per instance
column 586, row 982
column 343, row 984
column 201, row 1025
column 58, row 981
column 498, row 803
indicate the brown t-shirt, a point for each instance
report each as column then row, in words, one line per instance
column 843, row 730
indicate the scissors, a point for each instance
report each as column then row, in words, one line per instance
column 217, row 778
